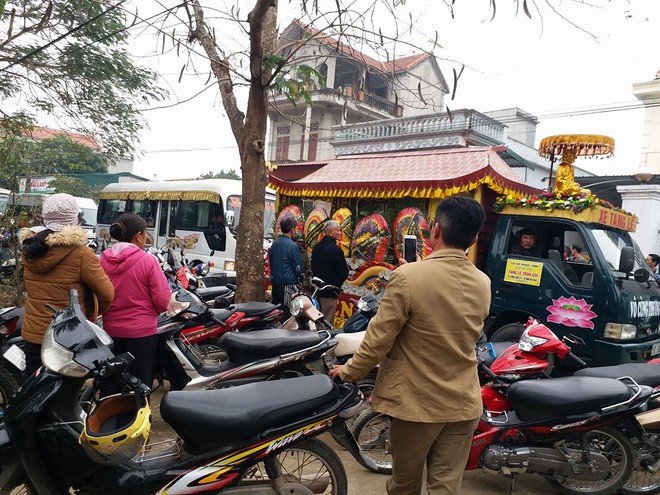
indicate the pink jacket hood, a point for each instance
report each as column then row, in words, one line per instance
column 114, row 259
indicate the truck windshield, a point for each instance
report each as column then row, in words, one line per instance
column 611, row 242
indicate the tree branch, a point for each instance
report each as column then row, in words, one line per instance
column 221, row 70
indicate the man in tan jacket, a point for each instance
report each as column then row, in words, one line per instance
column 424, row 338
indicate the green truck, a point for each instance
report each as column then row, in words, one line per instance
column 606, row 294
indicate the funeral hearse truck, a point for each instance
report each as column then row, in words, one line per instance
column 602, row 291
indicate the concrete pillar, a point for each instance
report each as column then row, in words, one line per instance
column 305, row 133
column 644, row 201
column 330, row 76
column 649, row 94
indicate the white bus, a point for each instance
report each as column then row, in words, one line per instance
column 200, row 215
column 4, row 197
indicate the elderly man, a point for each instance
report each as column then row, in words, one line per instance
column 424, row 338
column 329, row 264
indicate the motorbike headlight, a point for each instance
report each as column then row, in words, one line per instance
column 296, row 306
column 620, row 331
column 59, row 359
column 175, row 306
column 527, row 342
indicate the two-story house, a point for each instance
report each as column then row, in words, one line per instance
column 356, row 88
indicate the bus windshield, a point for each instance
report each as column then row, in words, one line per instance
column 234, row 204
column 611, row 242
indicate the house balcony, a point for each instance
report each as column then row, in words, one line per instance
column 357, row 102
column 460, row 128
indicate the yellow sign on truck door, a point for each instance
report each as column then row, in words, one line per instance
column 523, row 272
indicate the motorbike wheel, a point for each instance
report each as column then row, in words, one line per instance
column 617, row 448
column 8, row 387
column 372, row 433
column 643, row 481
column 211, row 351
column 311, row 463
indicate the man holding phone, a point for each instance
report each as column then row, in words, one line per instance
column 424, row 338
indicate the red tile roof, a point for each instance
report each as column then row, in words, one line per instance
column 404, row 170
column 48, row 133
column 396, row 65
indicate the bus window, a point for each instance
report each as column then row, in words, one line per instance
column 194, row 215
column 109, row 209
column 165, row 208
column 234, row 204
column 145, row 209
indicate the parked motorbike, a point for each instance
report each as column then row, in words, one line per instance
column 305, row 310
column 568, row 430
column 253, row 439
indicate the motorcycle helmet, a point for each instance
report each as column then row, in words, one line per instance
column 117, row 428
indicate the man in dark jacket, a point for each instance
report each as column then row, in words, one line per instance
column 329, row 264
column 285, row 261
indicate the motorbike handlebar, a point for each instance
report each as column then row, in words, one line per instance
column 116, row 365
column 135, row 384
column 570, row 357
column 482, row 366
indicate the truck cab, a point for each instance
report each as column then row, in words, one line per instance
column 582, row 277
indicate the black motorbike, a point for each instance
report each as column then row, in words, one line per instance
column 253, row 439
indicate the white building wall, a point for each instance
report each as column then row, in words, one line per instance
column 406, row 85
column 644, row 201
column 649, row 93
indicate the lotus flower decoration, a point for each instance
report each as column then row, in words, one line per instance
column 571, row 312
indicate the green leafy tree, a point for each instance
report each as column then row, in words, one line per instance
column 74, row 186
column 230, row 174
column 68, row 59
column 62, row 155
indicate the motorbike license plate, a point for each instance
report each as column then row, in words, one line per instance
column 655, row 350
column 15, row 356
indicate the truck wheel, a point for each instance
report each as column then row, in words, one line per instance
column 508, row 333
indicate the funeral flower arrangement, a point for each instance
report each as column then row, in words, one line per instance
column 555, row 201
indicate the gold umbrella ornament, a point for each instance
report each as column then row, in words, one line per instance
column 571, row 146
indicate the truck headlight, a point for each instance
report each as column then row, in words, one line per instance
column 229, row 266
column 620, row 331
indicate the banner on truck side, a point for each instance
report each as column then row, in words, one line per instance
column 523, row 272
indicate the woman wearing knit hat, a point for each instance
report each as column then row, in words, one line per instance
column 56, row 259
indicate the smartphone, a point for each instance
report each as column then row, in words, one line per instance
column 410, row 248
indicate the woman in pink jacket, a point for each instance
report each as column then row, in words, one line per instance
column 141, row 294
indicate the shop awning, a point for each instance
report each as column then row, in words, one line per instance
column 416, row 173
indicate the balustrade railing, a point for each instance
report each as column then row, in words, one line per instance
column 460, row 120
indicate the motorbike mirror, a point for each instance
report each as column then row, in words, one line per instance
column 221, row 302
column 170, row 257
column 573, row 339
column 641, row 275
column 627, row 259
column 317, row 282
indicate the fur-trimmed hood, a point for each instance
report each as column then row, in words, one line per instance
column 43, row 249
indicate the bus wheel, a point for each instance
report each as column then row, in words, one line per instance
column 508, row 333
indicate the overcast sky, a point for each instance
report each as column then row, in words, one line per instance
column 548, row 68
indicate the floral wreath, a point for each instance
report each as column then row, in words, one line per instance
column 555, row 201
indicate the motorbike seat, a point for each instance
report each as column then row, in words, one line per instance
column 210, row 293
column 222, row 314
column 266, row 343
column 347, row 343
column 254, row 308
column 534, row 400
column 642, row 373
column 212, row 417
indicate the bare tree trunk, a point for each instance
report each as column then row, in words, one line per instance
column 250, row 134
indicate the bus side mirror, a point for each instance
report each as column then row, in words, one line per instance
column 627, row 259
